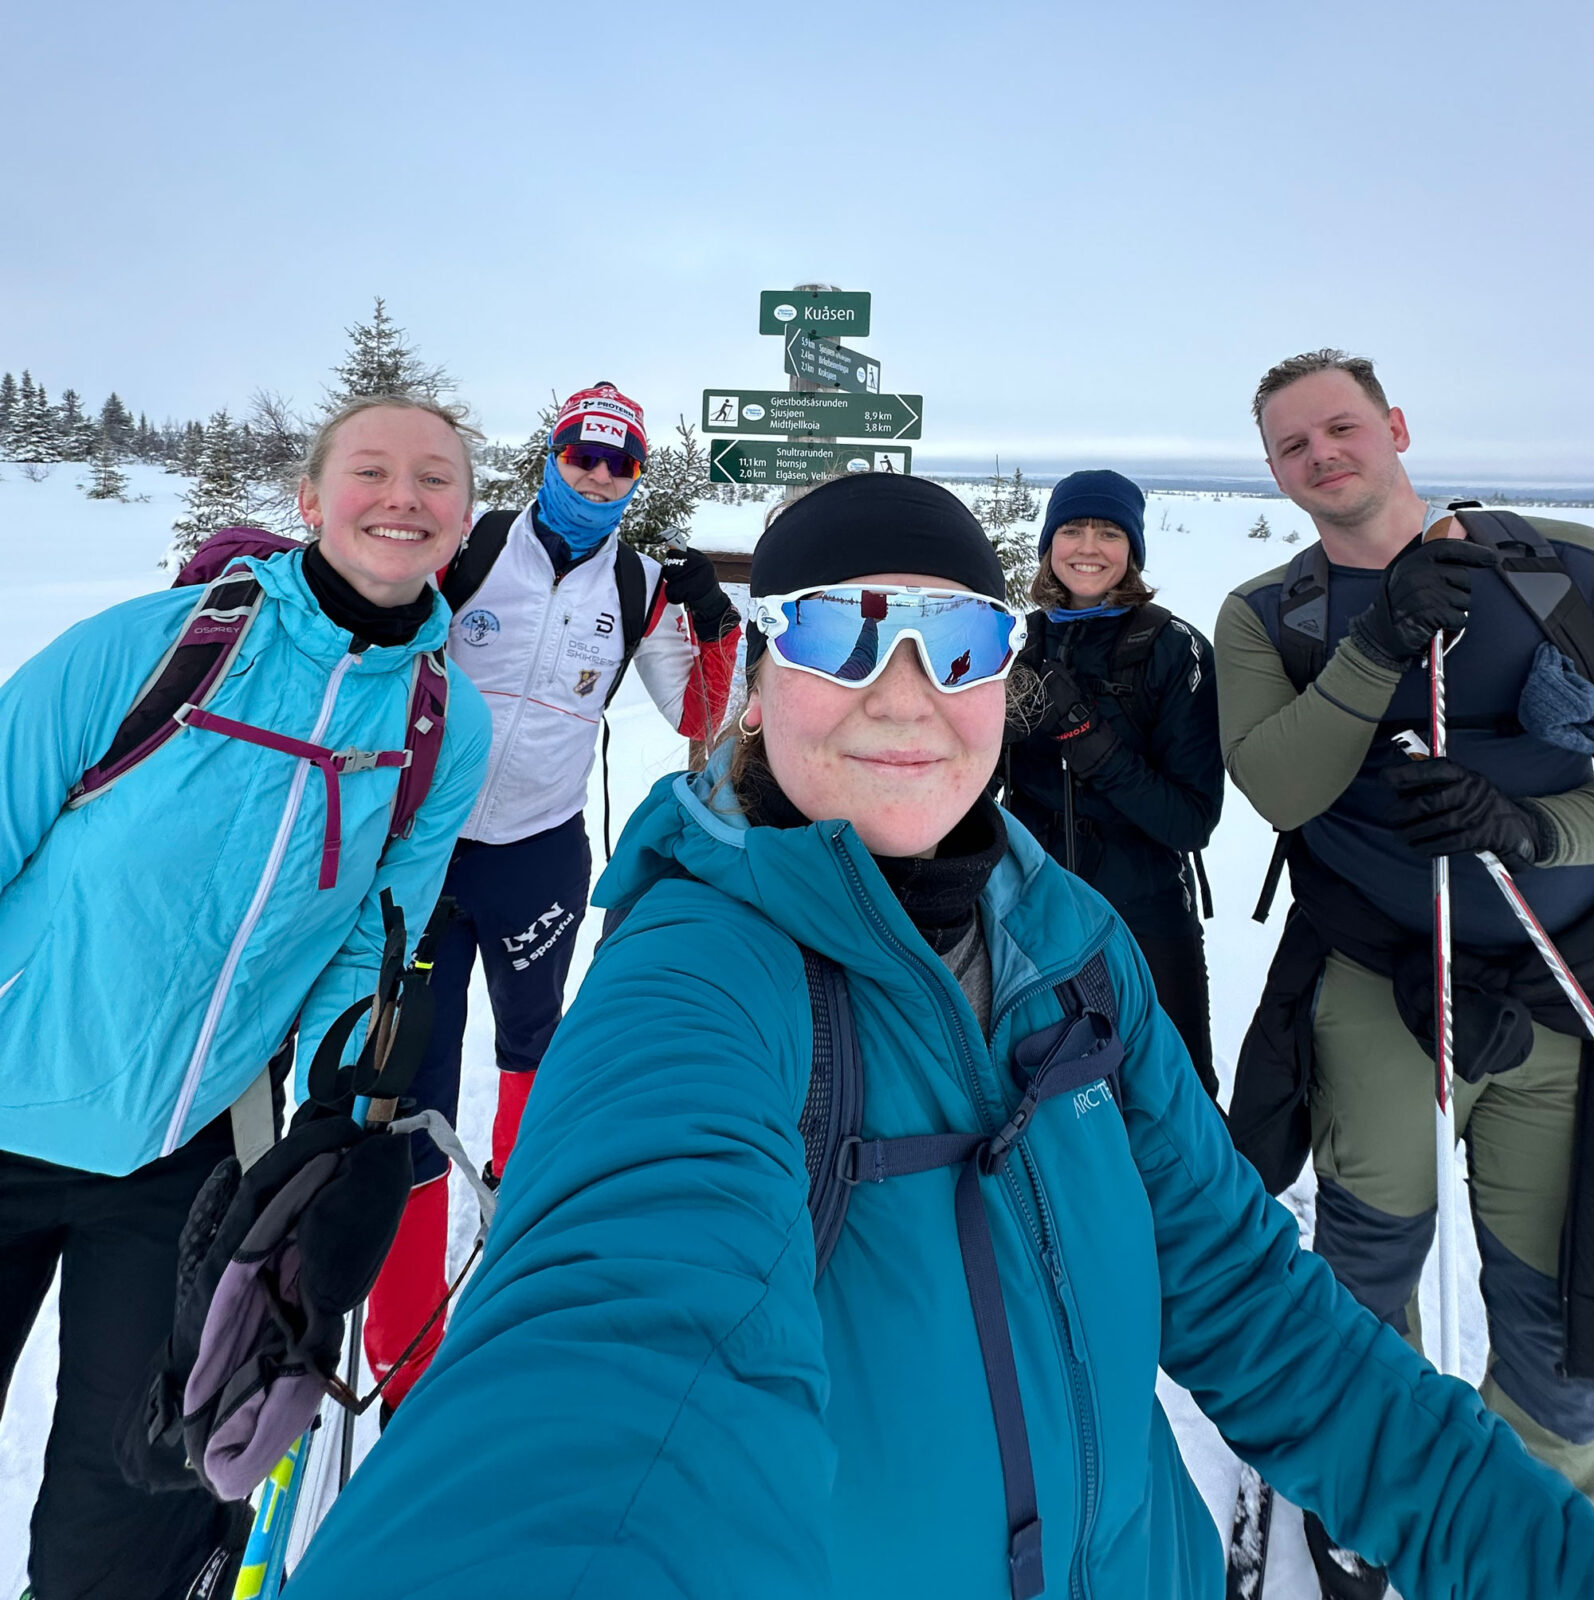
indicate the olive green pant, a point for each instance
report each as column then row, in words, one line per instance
column 1373, row 1138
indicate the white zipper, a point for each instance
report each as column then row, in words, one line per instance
column 268, row 879
column 484, row 802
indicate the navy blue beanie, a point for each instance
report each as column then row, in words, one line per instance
column 1109, row 495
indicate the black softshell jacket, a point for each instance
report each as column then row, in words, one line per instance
column 1158, row 794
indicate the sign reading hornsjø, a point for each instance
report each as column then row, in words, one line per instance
column 847, row 400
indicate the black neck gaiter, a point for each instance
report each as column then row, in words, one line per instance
column 344, row 605
column 940, row 893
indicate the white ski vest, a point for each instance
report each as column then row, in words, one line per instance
column 543, row 655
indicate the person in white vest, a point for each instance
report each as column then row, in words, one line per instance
column 549, row 608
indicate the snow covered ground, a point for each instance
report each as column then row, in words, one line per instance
column 65, row 557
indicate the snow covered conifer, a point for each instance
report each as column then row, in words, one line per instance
column 34, row 435
column 381, row 362
column 674, row 485
column 107, row 481
column 8, row 405
column 191, row 450
column 221, row 495
column 116, row 423
column 78, row 437
column 1006, row 503
column 1260, row 528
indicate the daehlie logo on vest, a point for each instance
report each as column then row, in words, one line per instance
column 477, row 627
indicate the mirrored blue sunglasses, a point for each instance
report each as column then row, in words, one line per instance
column 846, row 632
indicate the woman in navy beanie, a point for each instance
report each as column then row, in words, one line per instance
column 1114, row 762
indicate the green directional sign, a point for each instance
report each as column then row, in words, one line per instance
column 824, row 361
column 770, row 461
column 823, row 311
column 841, row 416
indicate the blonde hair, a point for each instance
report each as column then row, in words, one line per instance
column 315, row 460
column 1050, row 593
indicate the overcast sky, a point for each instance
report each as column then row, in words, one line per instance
column 1087, row 228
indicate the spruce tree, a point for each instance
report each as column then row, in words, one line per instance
column 191, row 451
column 220, row 496
column 107, row 481
column 78, row 435
column 380, row 361
column 8, row 405
column 674, row 485
column 116, row 423
column 1260, row 528
column 1004, row 504
column 34, row 439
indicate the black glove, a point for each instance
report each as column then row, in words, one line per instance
column 689, row 581
column 1442, row 809
column 1426, row 589
column 1077, row 724
column 688, row 577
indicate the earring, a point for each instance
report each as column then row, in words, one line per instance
column 741, row 724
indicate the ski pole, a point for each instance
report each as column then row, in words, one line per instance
column 1445, row 1119
column 1560, row 970
column 260, row 1576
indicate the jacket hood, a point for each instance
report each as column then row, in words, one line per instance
column 282, row 577
column 819, row 884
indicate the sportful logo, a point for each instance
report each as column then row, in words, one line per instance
column 521, row 955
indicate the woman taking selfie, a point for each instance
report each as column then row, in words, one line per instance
column 174, row 891
column 645, row 1392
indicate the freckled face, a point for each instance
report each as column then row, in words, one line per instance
column 898, row 759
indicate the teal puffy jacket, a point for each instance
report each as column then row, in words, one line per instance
column 157, row 943
column 643, row 1393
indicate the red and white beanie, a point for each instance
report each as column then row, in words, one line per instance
column 602, row 415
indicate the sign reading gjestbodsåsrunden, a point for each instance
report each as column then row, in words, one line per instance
column 863, row 416
column 769, row 461
column 829, row 312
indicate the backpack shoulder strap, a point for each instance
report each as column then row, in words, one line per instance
column 468, row 570
column 1303, row 616
column 1536, row 575
column 833, row 1112
column 1131, row 652
column 423, row 739
column 631, row 580
column 187, row 675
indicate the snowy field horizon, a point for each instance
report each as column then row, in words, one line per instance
column 67, row 557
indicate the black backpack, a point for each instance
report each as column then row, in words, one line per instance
column 1532, row 571
column 1081, row 1050
column 468, row 570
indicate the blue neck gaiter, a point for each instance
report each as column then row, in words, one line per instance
column 582, row 524
column 1089, row 611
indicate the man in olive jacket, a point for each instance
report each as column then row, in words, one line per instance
column 1322, row 760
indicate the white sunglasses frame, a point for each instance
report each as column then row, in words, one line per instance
column 771, row 621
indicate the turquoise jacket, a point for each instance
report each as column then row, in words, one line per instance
column 644, row 1394
column 157, row 943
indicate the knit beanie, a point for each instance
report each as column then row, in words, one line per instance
column 601, row 415
column 872, row 522
column 1109, row 495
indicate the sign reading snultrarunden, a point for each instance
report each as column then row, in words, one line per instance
column 770, row 461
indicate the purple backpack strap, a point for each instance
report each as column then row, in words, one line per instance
column 423, row 738
column 224, row 547
column 187, row 675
